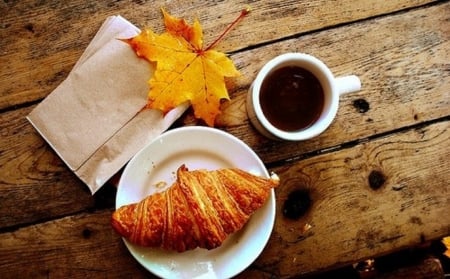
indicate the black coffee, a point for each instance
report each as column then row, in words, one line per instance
column 291, row 98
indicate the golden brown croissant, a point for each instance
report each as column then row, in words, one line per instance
column 199, row 210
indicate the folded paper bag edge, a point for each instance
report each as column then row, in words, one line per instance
column 113, row 27
column 117, row 152
column 103, row 172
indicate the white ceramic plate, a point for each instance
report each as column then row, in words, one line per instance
column 196, row 147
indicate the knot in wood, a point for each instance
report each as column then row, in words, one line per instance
column 297, row 204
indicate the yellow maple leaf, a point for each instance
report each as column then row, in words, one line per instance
column 185, row 70
column 446, row 241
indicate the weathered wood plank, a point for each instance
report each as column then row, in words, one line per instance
column 403, row 63
column 402, row 59
column 364, row 202
column 339, row 188
column 41, row 41
column 426, row 268
column 62, row 247
column 27, row 164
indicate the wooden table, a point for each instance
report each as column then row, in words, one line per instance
column 378, row 178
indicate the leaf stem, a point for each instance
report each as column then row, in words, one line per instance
column 243, row 13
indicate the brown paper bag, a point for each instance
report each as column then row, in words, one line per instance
column 94, row 119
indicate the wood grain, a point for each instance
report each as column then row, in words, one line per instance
column 399, row 92
column 41, row 41
column 377, row 178
column 404, row 211
column 25, row 157
column 351, row 219
column 62, row 245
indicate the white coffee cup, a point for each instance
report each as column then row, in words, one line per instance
column 332, row 88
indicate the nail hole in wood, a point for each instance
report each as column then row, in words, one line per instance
column 376, row 179
column 361, row 105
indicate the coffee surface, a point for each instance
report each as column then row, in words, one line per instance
column 291, row 98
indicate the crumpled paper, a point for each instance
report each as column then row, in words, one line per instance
column 94, row 119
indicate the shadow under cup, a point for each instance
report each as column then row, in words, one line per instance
column 255, row 107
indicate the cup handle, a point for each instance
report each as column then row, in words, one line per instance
column 348, row 84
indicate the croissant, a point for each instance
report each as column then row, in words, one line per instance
column 200, row 209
